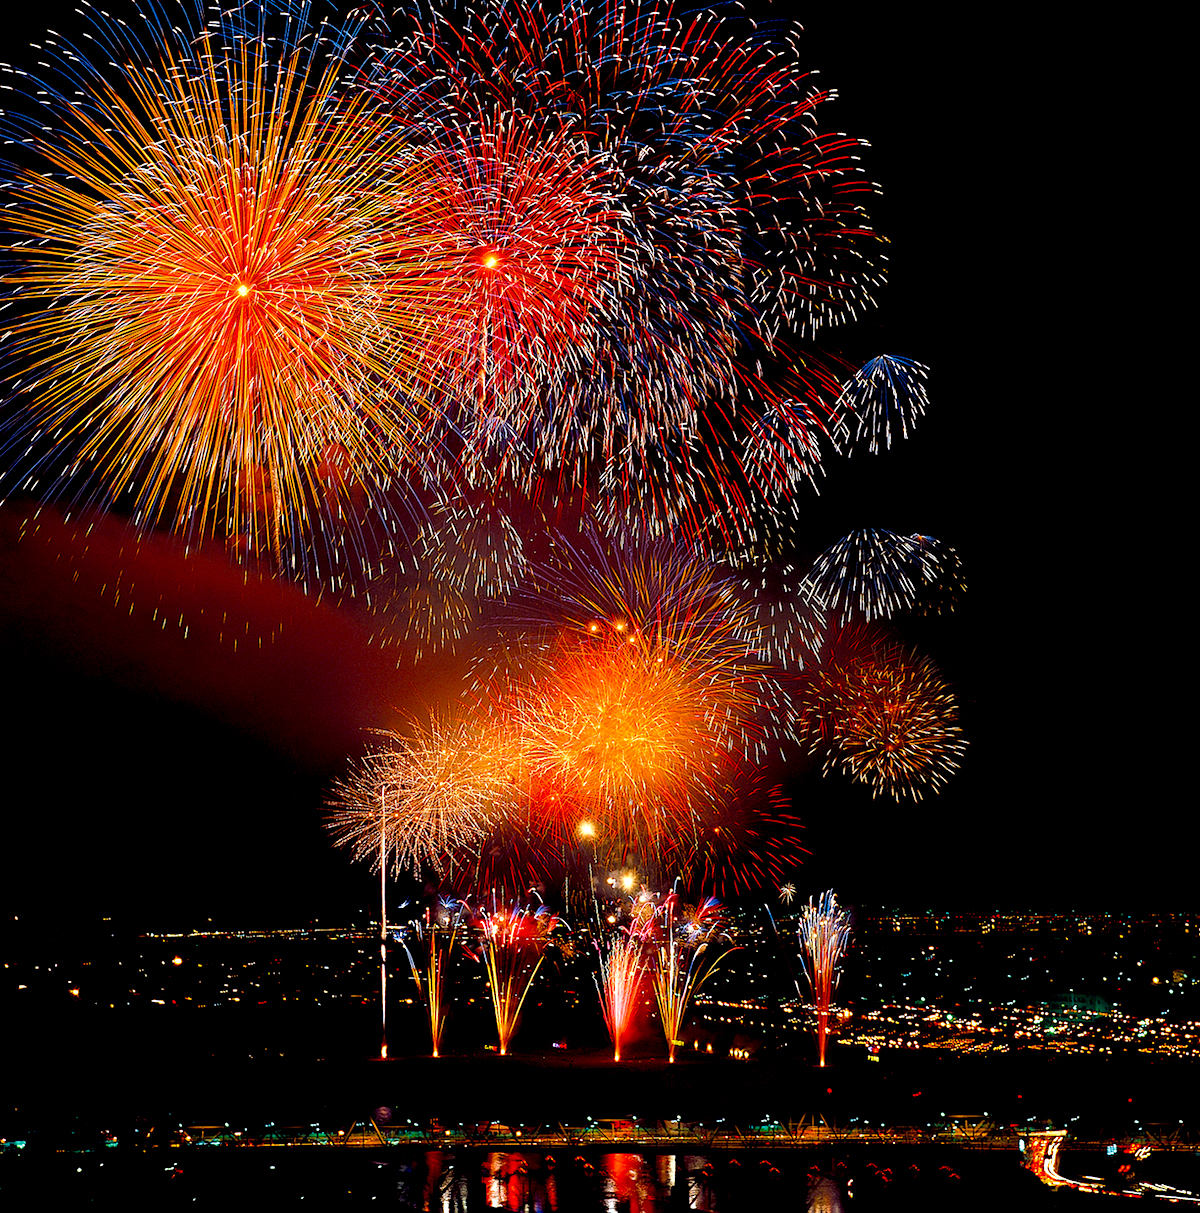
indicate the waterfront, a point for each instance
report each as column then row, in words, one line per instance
column 590, row 1180
column 573, row 1132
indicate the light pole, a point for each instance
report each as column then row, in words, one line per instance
column 383, row 923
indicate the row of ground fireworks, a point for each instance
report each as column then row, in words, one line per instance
column 499, row 322
column 657, row 943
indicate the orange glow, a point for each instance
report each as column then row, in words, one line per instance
column 243, row 289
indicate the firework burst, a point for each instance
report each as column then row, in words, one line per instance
column 668, row 603
column 887, row 720
column 212, row 284
column 635, row 201
column 883, row 400
column 874, row 574
column 427, row 794
column 622, row 737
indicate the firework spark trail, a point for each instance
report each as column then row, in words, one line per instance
column 887, row 720
column 640, row 204
column 210, row 277
column 434, row 937
column 824, row 937
column 786, row 614
column 431, row 793
column 686, row 954
column 514, row 946
column 623, row 965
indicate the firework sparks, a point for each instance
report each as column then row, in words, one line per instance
column 874, row 574
column 824, row 937
column 623, row 966
column 211, row 283
column 604, row 171
column 885, row 396
column 888, row 721
column 786, row 613
column 686, row 955
column 430, row 794
column 433, row 938
column 945, row 582
column 514, row 945
column 473, row 550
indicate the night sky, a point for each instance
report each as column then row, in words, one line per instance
column 169, row 781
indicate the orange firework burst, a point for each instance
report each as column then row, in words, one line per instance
column 214, row 291
column 888, row 721
column 623, row 734
column 675, row 608
column 429, row 794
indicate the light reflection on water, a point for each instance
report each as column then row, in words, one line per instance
column 824, row 1195
column 443, row 1181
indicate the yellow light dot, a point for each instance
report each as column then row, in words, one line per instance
column 243, row 289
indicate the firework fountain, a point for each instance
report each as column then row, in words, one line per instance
column 428, row 942
column 824, row 937
column 514, row 946
column 624, row 964
column 687, row 951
